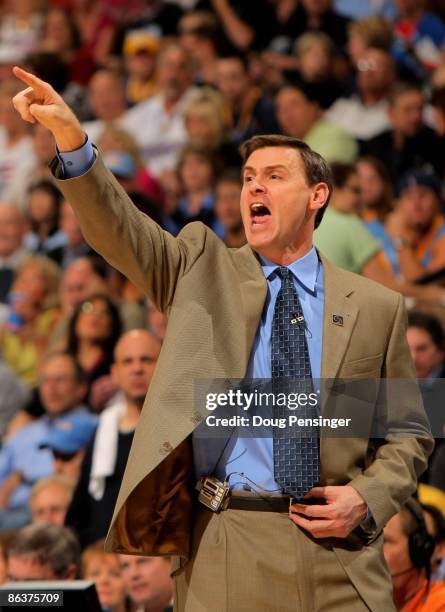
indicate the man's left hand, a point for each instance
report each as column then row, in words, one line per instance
column 344, row 510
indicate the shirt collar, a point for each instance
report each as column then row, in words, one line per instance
column 304, row 269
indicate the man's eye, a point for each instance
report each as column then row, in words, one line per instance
column 275, row 176
column 247, row 179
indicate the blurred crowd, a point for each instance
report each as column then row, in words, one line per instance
column 168, row 90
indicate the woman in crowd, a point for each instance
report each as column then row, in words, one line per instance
column 96, row 28
column 93, row 332
column 205, row 125
column 43, row 215
column 103, row 569
column 33, row 313
column 196, row 170
column 61, row 35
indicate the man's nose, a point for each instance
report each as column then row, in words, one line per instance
column 256, row 186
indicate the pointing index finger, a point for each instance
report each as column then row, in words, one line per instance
column 30, row 79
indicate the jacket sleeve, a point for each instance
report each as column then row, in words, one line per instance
column 128, row 239
column 401, row 454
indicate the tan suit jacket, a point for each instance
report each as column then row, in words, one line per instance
column 214, row 297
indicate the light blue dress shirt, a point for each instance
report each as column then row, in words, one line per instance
column 253, row 456
column 77, row 162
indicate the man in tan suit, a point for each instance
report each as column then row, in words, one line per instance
column 322, row 557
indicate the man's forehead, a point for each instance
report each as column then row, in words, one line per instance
column 136, row 344
column 273, row 156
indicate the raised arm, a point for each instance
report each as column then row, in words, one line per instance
column 128, row 239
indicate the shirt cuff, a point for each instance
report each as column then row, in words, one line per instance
column 77, row 162
column 368, row 524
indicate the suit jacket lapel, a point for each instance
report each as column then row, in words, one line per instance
column 336, row 335
column 253, row 286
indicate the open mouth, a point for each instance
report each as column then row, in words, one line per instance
column 259, row 213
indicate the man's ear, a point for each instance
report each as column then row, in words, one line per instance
column 320, row 194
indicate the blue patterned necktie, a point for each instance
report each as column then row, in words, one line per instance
column 296, row 454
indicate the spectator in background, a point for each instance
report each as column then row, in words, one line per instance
column 108, row 102
column 420, row 38
column 376, row 201
column 61, row 36
column 80, row 280
column 249, row 112
column 435, row 524
column 14, row 396
column 43, row 214
column 410, row 571
column 246, row 25
column 92, row 506
column 12, row 247
column 75, row 245
column 148, row 582
column 156, row 15
column 365, row 114
column 50, row 498
column 33, row 171
column 67, row 440
column 22, row 461
column 96, row 28
column 205, row 125
column 409, row 143
column 227, row 209
column 313, row 61
column 141, row 48
column 308, row 16
column 33, row 313
column 199, row 34
column 43, row 552
column 20, row 30
column 365, row 8
column 320, row 15
column 315, row 56
column 343, row 237
column 370, row 32
column 158, row 123
column 426, row 341
column 93, row 331
column 123, row 158
column 300, row 114
column 103, row 568
column 417, row 226
column 197, row 172
column 287, row 26
column 86, row 276
column 376, row 191
column 16, row 149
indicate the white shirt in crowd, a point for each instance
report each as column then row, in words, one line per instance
column 360, row 120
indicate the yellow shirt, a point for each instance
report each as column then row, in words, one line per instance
column 22, row 354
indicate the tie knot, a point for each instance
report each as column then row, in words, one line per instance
column 283, row 273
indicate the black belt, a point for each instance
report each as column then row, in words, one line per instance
column 277, row 503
